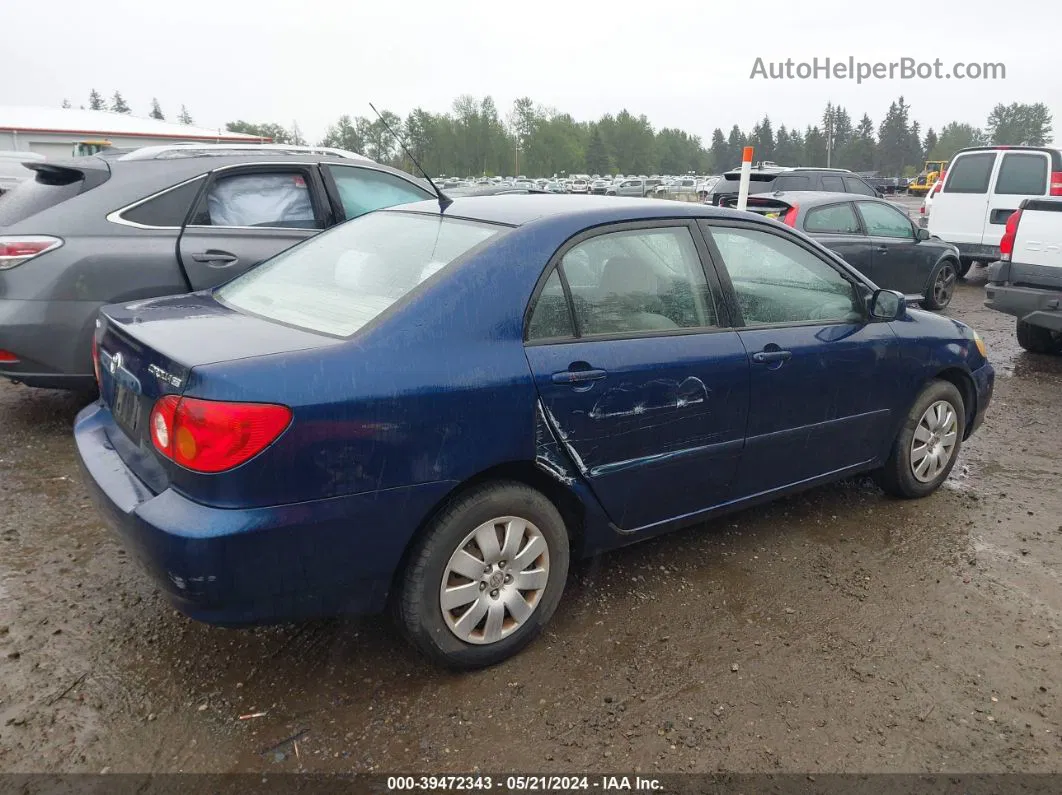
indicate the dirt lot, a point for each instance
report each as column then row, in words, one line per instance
column 837, row 631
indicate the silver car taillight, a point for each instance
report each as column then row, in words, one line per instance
column 16, row 249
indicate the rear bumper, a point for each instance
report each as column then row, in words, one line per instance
column 1036, row 306
column 978, row 252
column 257, row 565
column 53, row 341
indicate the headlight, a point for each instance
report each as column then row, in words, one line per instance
column 980, row 343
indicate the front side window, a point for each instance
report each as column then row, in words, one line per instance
column 642, row 280
column 1022, row 174
column 839, row 219
column 362, row 190
column 883, row 220
column 777, row 281
column 275, row 199
column 970, row 173
column 340, row 280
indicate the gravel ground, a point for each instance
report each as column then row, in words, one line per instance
column 835, row 631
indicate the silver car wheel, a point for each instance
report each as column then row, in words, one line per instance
column 495, row 579
column 934, row 442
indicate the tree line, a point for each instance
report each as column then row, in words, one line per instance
column 119, row 105
column 474, row 138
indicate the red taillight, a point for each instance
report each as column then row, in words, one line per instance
column 96, row 360
column 211, row 435
column 1006, row 244
column 7, row 357
column 1056, row 183
column 938, row 186
column 789, row 219
column 14, row 250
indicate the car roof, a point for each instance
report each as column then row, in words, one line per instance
column 520, row 209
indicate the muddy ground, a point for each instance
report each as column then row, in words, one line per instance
column 836, row 631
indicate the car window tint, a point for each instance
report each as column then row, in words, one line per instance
column 832, row 183
column 273, row 199
column 638, row 280
column 167, row 209
column 792, row 182
column 970, row 173
column 836, row 218
column 777, row 281
column 362, row 190
column 856, row 185
column 1022, row 173
column 551, row 317
column 883, row 220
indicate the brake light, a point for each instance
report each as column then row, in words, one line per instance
column 212, row 435
column 939, row 185
column 7, row 357
column 1010, row 232
column 16, row 249
column 96, row 360
column 789, row 219
column 1056, row 183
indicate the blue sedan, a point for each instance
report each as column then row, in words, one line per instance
column 434, row 408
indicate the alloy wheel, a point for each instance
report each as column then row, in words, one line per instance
column 934, row 442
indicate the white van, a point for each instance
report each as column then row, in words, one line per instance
column 12, row 172
column 982, row 187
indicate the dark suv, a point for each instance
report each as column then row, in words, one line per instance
column 117, row 227
column 773, row 179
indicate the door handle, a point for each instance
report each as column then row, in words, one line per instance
column 769, row 357
column 219, row 258
column 578, row 376
column 882, row 249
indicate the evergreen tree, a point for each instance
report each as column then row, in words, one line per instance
column 95, row 100
column 763, row 140
column 118, row 104
column 156, row 110
column 66, row 103
column 184, row 117
column 597, row 161
column 720, row 152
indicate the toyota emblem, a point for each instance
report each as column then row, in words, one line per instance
column 116, row 362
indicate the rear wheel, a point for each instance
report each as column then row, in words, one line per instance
column 486, row 577
column 942, row 286
column 1037, row 339
column 928, row 444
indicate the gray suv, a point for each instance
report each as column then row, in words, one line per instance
column 116, row 227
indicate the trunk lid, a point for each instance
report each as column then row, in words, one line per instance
column 148, row 349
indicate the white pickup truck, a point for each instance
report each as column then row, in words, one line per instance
column 1027, row 280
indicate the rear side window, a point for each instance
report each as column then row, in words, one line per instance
column 362, row 190
column 276, row 199
column 832, row 183
column 1022, row 173
column 970, row 173
column 551, row 317
column 837, row 218
column 168, row 209
column 31, row 197
column 792, row 182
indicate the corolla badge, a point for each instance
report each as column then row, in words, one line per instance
column 116, row 363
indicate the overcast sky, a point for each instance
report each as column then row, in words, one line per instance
column 683, row 64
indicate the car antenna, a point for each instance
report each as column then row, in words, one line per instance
column 444, row 200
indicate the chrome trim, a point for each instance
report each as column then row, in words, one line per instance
column 115, row 217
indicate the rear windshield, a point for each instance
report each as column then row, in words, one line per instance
column 340, row 280
column 31, row 197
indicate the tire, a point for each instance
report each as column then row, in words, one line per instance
column 965, row 263
column 450, row 541
column 942, row 285
column 898, row 477
column 1037, row 339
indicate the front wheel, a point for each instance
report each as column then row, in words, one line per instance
column 942, row 286
column 486, row 577
column 928, row 444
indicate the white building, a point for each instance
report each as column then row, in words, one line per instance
column 53, row 132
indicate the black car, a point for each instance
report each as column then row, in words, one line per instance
column 872, row 235
column 771, row 179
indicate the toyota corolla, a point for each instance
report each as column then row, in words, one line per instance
column 434, row 408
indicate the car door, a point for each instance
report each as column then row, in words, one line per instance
column 822, row 376
column 899, row 262
column 1021, row 175
column 356, row 190
column 638, row 373
column 246, row 214
column 959, row 210
column 837, row 227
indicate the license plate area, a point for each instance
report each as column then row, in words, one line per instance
column 127, row 410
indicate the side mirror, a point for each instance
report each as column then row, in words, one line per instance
column 887, row 305
column 921, row 234
column 879, row 194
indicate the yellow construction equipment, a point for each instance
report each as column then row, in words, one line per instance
column 85, row 148
column 931, row 172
